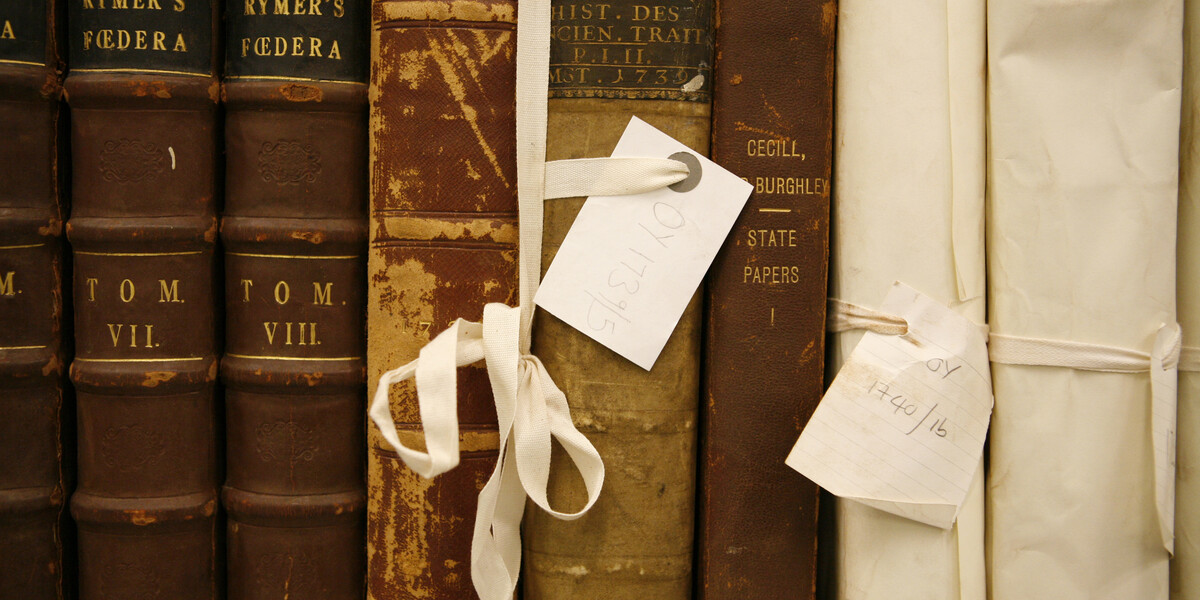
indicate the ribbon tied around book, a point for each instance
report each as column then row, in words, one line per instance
column 1162, row 364
column 530, row 408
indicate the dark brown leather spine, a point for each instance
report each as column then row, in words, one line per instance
column 443, row 243
column 294, row 233
column 765, row 316
column 610, row 62
column 34, row 441
column 143, row 95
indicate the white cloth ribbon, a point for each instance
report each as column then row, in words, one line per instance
column 1162, row 363
column 1189, row 359
column 530, row 408
column 843, row 316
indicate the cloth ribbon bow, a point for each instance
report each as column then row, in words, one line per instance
column 530, row 409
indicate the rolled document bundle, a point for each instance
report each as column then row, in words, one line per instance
column 908, row 206
column 1084, row 120
column 1185, row 568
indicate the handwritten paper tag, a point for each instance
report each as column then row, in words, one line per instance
column 902, row 426
column 629, row 265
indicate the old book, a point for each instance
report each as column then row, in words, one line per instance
column 764, row 344
column 608, row 63
column 143, row 93
column 294, row 234
column 35, row 425
column 443, row 233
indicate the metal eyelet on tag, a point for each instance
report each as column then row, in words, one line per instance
column 695, row 172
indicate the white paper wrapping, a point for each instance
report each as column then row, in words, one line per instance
column 1084, row 116
column 908, row 206
column 1185, row 568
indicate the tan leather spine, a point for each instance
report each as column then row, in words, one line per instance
column 636, row 542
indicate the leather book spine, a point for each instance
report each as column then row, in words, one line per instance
column 608, row 63
column 143, row 94
column 294, row 235
column 34, row 440
column 765, row 312
column 443, row 234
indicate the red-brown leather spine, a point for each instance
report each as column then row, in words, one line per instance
column 294, row 233
column 765, row 315
column 443, row 244
column 34, row 441
column 143, row 93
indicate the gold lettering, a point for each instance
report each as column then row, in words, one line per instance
column 339, row 8
column 88, row 4
column 281, row 7
column 149, row 336
column 121, row 4
column 139, row 40
column 127, row 291
column 115, row 333
column 245, row 44
column 179, row 6
column 246, row 283
column 314, row 8
column 7, row 32
column 249, row 10
column 160, row 40
column 91, row 282
column 179, row 45
column 323, row 295
column 334, row 53
column 87, row 40
column 288, row 342
column 302, row 341
column 314, row 48
column 168, row 293
column 270, row 327
column 122, row 39
column 297, row 45
column 6, row 284
column 287, row 292
column 312, row 335
column 299, row 10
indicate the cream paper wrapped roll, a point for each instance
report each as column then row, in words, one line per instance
column 1185, row 568
column 1084, row 120
column 908, row 206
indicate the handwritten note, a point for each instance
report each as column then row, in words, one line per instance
column 629, row 265
column 903, row 424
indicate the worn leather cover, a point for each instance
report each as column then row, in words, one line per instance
column 765, row 316
column 636, row 542
column 143, row 94
column 294, row 232
column 443, row 233
column 35, row 423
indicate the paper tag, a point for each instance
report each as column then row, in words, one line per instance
column 629, row 265
column 1163, row 415
column 902, row 426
